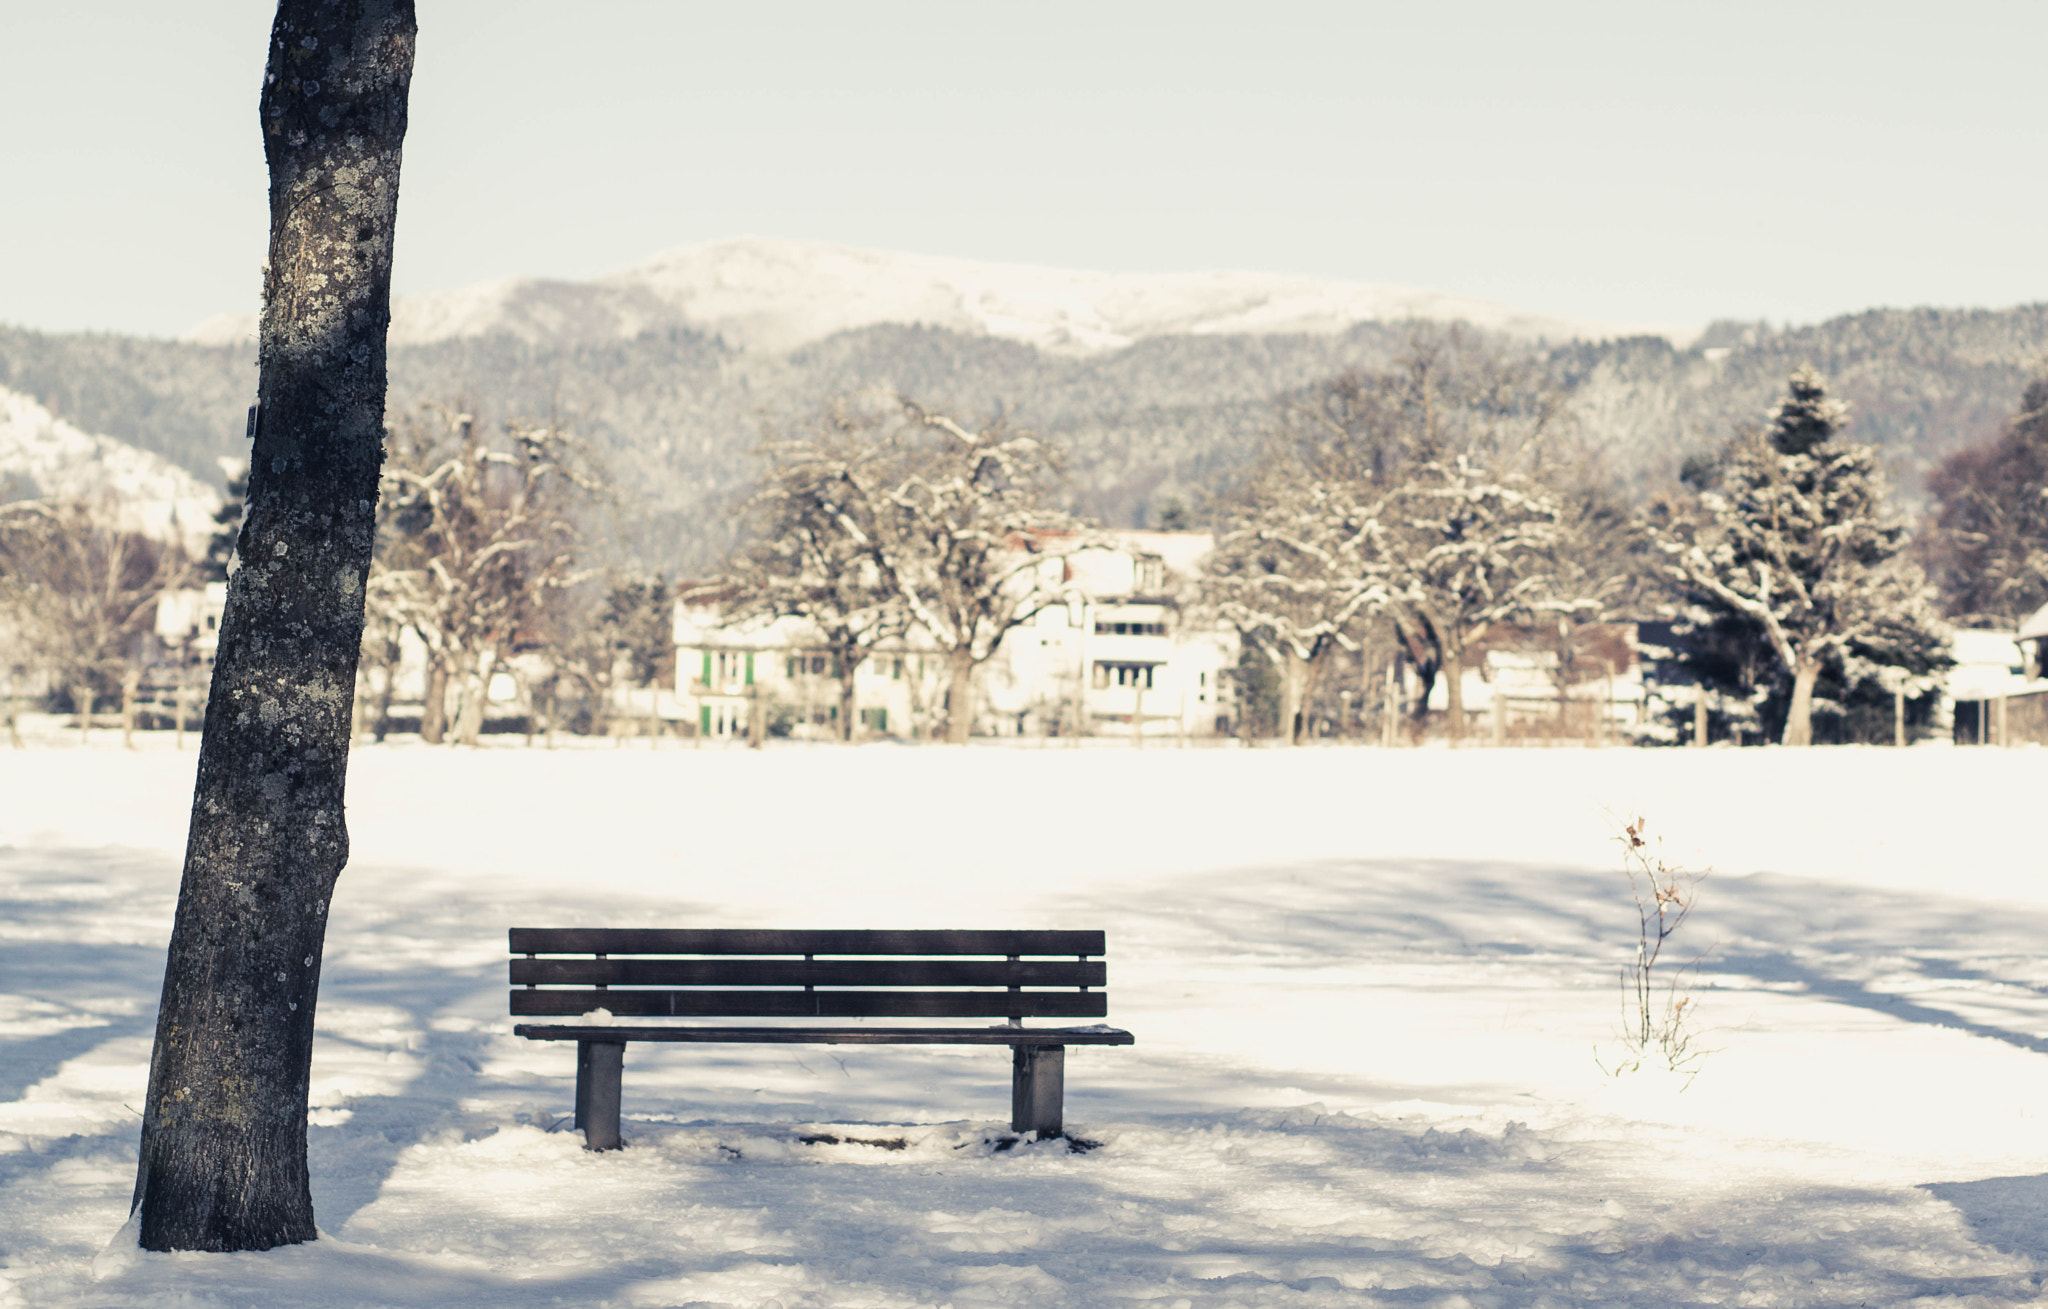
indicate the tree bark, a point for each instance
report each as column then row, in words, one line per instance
column 959, row 697
column 1293, row 696
column 476, row 694
column 848, row 669
column 1454, row 694
column 1799, row 715
column 434, row 704
column 223, row 1155
column 384, row 695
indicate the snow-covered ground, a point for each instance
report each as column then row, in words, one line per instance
column 1368, row 989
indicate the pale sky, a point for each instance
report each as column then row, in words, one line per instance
column 1640, row 162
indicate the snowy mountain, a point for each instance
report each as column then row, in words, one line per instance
column 776, row 295
column 42, row 455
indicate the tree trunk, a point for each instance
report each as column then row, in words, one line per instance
column 434, row 707
column 847, row 670
column 1293, row 695
column 1418, row 713
column 1454, row 694
column 1799, row 715
column 384, row 694
column 81, row 696
column 129, row 685
column 476, row 695
column 959, row 697
column 1390, row 711
column 223, row 1154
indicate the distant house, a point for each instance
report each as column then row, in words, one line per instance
column 1996, row 694
column 1518, row 688
column 2031, row 638
column 1119, row 658
column 188, row 619
column 1125, row 658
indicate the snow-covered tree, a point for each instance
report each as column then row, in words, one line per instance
column 1793, row 535
column 1466, row 546
column 78, row 591
column 476, row 531
column 887, row 517
column 1408, row 495
column 812, row 542
column 1295, row 573
column 965, row 533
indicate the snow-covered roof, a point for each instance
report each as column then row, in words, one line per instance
column 1988, row 665
column 2036, row 627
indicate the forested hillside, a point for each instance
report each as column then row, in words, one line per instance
column 676, row 414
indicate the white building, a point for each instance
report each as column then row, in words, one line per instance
column 1117, row 657
column 189, row 618
column 1995, row 694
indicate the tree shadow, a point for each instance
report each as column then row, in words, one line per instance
column 2005, row 1213
column 1836, row 942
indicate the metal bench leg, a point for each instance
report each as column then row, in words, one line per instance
column 600, row 1068
column 1038, row 1083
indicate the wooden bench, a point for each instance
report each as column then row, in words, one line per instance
column 744, row 973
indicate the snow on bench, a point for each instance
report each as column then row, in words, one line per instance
column 747, row 973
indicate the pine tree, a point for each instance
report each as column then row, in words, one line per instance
column 227, row 520
column 1793, row 535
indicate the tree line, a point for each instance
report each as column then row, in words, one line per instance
column 1409, row 514
column 1419, row 513
column 1448, row 500
column 489, row 552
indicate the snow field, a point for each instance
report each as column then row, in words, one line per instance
column 1368, row 988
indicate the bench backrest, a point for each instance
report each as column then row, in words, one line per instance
column 743, row 972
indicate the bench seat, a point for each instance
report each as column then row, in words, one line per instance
column 639, row 973
column 836, row 1035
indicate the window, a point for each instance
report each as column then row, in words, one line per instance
column 1149, row 575
column 1105, row 627
column 1130, row 676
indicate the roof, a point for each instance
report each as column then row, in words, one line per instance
column 1988, row 665
column 2036, row 627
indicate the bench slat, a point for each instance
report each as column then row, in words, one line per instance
column 816, row 1004
column 750, row 941
column 834, row 1035
column 800, row 972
